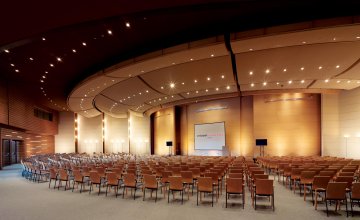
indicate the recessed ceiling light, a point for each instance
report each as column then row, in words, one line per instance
column 162, row 87
column 250, row 49
column 58, row 59
column 334, row 38
column 217, row 89
column 338, row 81
column 17, row 70
column 197, row 91
column 337, row 66
column 302, row 81
column 348, row 81
column 172, row 96
column 43, row 38
column 73, row 50
column 212, row 55
column 173, row 63
column 41, row 80
column 159, row 99
column 320, row 67
column 251, row 72
column 44, row 76
column 302, row 68
column 183, row 83
column 191, row 59
column 277, row 83
column 6, row 51
column 127, row 24
column 195, row 81
column 227, row 87
column 188, row 93
column 264, row 83
column 358, row 82
column 222, row 76
column 326, row 80
column 285, row 70
column 208, row 79
column 11, row 64
column 140, row 93
column 31, row 58
column 109, row 32
column 172, row 85
column 206, row 90
column 267, row 71
column 304, row 42
column 358, row 37
column 84, row 43
column 290, row 81
column 165, row 97
column 147, row 91
column 52, row 65
column 252, row 84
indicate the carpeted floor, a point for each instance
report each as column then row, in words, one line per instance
column 23, row 199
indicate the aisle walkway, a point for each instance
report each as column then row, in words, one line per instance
column 23, row 199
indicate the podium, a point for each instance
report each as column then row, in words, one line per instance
column 262, row 150
column 169, row 144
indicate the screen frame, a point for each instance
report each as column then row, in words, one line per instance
column 211, row 123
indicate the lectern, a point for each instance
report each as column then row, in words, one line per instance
column 169, row 144
column 261, row 143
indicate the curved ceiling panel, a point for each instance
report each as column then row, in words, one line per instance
column 89, row 113
column 80, row 104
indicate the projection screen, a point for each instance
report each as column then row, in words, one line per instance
column 210, row 136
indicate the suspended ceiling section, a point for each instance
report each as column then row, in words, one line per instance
column 318, row 59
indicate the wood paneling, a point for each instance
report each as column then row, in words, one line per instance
column 164, row 130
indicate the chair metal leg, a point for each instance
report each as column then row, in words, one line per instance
column 182, row 196
column 49, row 183
column 327, row 211
column 168, row 195
column 124, row 192
column 255, row 201
column 197, row 197
column 347, row 214
column 243, row 198
column 273, row 201
column 107, row 187
column 81, row 186
column 226, row 198
column 134, row 192
column 144, row 194
column 156, row 194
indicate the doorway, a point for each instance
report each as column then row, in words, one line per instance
column 11, row 151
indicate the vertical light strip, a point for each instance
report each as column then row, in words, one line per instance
column 129, row 128
column 103, row 132
column 76, row 132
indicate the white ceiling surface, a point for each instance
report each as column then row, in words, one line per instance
column 80, row 104
column 319, row 52
column 89, row 113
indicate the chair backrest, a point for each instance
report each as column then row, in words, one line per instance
column 336, row 190
column 175, row 183
column 330, row 173
column 261, row 176
column 321, row 182
column 112, row 178
column 150, row 181
column 355, row 190
column 307, row 175
column 186, row 174
column 347, row 179
column 63, row 174
column 236, row 170
column 205, row 184
column 236, row 175
column 234, row 185
column 346, row 174
column 264, row 187
column 95, row 177
column 77, row 176
column 129, row 180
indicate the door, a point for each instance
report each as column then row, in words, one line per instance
column 6, row 152
column 11, row 150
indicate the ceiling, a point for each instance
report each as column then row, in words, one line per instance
column 119, row 56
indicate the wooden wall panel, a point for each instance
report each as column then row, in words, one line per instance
column 290, row 122
column 3, row 104
column 164, row 130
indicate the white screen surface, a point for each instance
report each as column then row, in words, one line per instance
column 210, row 136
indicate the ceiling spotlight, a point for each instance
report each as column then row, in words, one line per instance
column 147, row 91
column 302, row 68
column 195, row 81
column 44, row 76
column 337, row 67
column 183, row 83
column 251, row 49
column 358, row 37
column 84, row 43
column 320, row 67
column 197, row 91
column 206, row 90
column 162, row 87
column 188, row 93
column 338, row 81
column 348, row 81
column 41, row 80
column 252, row 84
column 43, row 38
column 217, row 89
column 208, row 79
column 17, row 70
column 326, row 80
column 358, row 82
column 6, row 51
column 172, row 85
column 267, row 71
column 59, row 59
column 52, row 65
column 212, row 55
column 304, row 42
column 73, row 50
column 11, row 64
column 302, row 81
column 222, row 76
column 334, row 38
column 290, row 81
column 227, row 87
column 251, row 72
column 31, row 58
column 165, row 97
column 109, row 32
column 172, row 96
column 127, row 24
column 277, row 83
column 173, row 63
column 191, row 59
column 264, row 83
